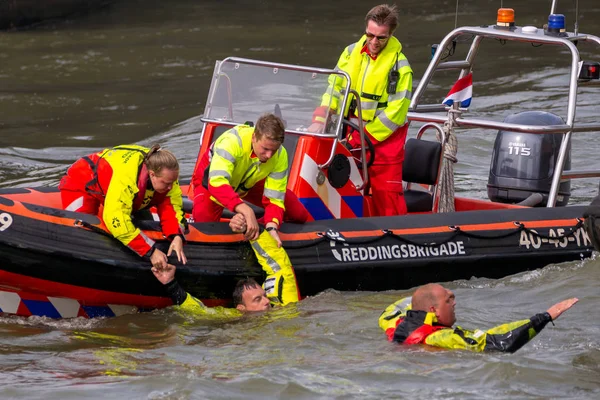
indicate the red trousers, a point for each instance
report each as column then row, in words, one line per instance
column 72, row 189
column 206, row 210
column 386, row 189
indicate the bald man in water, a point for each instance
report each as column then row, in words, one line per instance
column 429, row 320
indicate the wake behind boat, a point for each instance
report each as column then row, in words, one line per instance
column 63, row 264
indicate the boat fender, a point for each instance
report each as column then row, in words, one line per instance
column 339, row 171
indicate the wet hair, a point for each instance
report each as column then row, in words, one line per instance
column 158, row 158
column 241, row 287
column 383, row 14
column 271, row 127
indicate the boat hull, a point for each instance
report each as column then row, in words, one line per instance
column 56, row 254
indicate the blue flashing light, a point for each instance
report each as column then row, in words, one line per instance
column 556, row 22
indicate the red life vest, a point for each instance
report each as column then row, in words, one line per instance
column 420, row 334
column 417, row 336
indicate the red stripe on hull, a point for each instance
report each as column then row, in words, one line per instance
column 34, row 288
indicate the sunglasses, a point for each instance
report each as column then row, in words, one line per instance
column 370, row 36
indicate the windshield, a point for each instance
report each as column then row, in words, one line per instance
column 243, row 89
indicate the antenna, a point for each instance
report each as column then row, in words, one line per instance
column 553, row 7
column 456, row 16
column 576, row 30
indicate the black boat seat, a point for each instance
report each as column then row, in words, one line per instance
column 188, row 205
column 421, row 165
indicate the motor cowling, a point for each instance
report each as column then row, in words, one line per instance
column 523, row 163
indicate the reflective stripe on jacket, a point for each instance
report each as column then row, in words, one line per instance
column 230, row 168
column 280, row 284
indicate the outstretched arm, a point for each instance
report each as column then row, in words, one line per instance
column 166, row 276
column 186, row 301
column 508, row 337
column 180, row 297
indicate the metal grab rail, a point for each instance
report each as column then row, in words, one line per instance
column 516, row 34
column 363, row 150
column 433, row 188
column 482, row 123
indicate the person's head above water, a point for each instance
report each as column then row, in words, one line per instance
column 436, row 299
column 249, row 296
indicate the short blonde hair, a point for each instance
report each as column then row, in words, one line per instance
column 271, row 127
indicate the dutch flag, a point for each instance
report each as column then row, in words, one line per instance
column 462, row 91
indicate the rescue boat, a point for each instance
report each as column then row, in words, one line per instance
column 57, row 263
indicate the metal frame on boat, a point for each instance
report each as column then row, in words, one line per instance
column 425, row 113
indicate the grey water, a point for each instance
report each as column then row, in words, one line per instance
column 139, row 72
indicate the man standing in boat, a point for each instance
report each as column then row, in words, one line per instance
column 250, row 163
column 123, row 180
column 280, row 287
column 429, row 319
column 382, row 75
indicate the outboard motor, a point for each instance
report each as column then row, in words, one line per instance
column 523, row 163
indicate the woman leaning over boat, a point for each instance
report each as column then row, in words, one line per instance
column 126, row 179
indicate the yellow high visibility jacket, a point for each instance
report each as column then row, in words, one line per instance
column 280, row 285
column 384, row 112
column 231, row 169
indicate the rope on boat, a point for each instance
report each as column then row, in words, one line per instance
column 324, row 236
column 446, row 180
column 456, row 231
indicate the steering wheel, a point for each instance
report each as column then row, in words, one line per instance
column 371, row 148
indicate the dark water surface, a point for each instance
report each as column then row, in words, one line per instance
column 139, row 71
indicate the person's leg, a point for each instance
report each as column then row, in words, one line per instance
column 294, row 209
column 204, row 209
column 388, row 203
column 386, row 189
column 73, row 194
column 79, row 201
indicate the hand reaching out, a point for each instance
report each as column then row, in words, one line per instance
column 556, row 310
column 159, row 259
column 164, row 275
